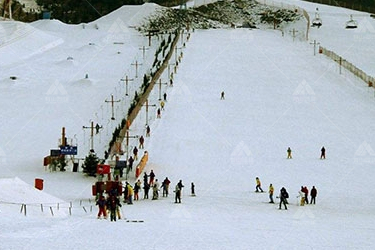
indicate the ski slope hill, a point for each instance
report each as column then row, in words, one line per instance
column 277, row 94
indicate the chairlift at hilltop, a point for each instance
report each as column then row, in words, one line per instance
column 351, row 24
column 317, row 21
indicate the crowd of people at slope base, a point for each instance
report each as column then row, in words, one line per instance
column 111, row 205
column 303, row 194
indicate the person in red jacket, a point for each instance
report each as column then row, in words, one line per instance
column 102, row 207
column 313, row 194
column 306, row 192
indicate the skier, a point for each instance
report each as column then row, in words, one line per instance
column 258, row 186
column 155, row 190
column 177, row 191
column 165, row 186
column 165, row 96
column 301, row 194
column 289, row 151
column 152, row 177
column 148, row 130
column 222, row 96
column 130, row 194
column 158, row 113
column 313, row 194
column 141, row 141
column 323, row 153
column 135, row 153
column 162, row 104
column 306, row 192
column 270, row 191
column 130, row 160
column 192, row 189
column 102, row 208
column 137, row 188
column 283, row 197
column 113, row 203
column 145, row 178
column 146, row 187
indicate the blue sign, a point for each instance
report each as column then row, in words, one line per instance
column 68, row 150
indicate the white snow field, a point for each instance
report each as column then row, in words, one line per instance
column 277, row 95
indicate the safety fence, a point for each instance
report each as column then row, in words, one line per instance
column 78, row 207
column 370, row 80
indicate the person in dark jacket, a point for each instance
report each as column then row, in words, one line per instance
column 152, row 177
column 113, row 203
column 283, row 197
column 313, row 194
column 141, row 141
column 146, row 187
column 323, row 153
column 130, row 163
column 135, row 153
column 165, row 186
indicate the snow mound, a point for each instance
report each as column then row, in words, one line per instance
column 14, row 190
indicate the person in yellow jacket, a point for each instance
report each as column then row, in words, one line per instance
column 258, row 186
column 130, row 194
column 270, row 191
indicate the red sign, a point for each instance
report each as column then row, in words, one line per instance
column 103, row 169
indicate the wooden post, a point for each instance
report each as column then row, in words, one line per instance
column 63, row 142
column 91, row 134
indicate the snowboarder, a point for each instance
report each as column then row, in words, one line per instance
column 148, row 130
column 155, row 190
column 289, row 151
column 135, row 153
column 165, row 186
column 222, row 96
column 323, row 153
column 270, row 191
column 283, row 198
column 313, row 194
column 258, row 186
column 102, row 207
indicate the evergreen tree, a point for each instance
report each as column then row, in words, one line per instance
column 90, row 164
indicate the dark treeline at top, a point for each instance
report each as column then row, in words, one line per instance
column 82, row 11
column 361, row 5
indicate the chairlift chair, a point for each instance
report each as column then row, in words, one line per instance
column 351, row 24
column 316, row 22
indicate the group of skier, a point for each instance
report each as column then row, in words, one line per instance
column 322, row 153
column 284, row 195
